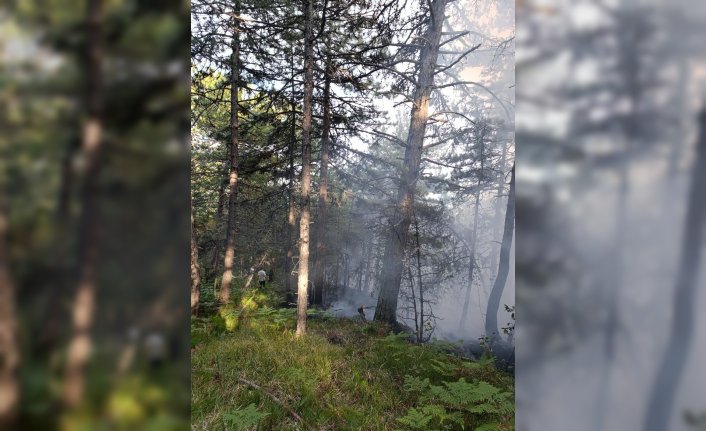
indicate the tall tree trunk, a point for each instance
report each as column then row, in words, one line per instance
column 377, row 275
column 417, row 331
column 52, row 314
column 491, row 313
column 228, row 261
column 322, row 206
column 613, row 319
column 291, row 214
column 396, row 240
column 303, row 275
column 682, row 100
column 498, row 204
column 662, row 397
column 370, row 257
column 420, row 328
column 472, row 260
column 359, row 271
column 474, row 238
column 67, row 179
column 195, row 277
column 84, row 303
column 216, row 258
column 9, row 342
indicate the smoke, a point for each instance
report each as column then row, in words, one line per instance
column 603, row 173
column 352, row 300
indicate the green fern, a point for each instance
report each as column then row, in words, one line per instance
column 441, row 367
column 484, row 362
column 416, row 419
column 489, row 427
column 415, row 384
column 454, row 405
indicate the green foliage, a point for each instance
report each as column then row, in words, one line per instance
column 416, row 419
column 396, row 353
column 485, row 362
column 218, row 324
column 341, row 376
column 246, row 418
column 454, row 405
column 253, row 303
column 510, row 327
column 135, row 402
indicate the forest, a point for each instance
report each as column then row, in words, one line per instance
column 311, row 215
column 352, row 189
column 94, row 215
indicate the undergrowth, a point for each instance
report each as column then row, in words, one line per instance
column 343, row 375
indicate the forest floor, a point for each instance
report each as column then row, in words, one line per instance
column 250, row 372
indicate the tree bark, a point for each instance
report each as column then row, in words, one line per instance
column 291, row 215
column 215, row 260
column 195, row 277
column 491, row 313
column 420, row 328
column 92, row 142
column 9, row 340
column 396, row 240
column 303, row 275
column 228, row 261
column 662, row 397
column 322, row 206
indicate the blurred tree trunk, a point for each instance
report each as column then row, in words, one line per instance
column 682, row 98
column 612, row 325
column 396, row 240
column 84, row 303
column 9, row 342
column 322, row 206
column 195, row 277
column 67, row 179
column 662, row 397
column 228, row 261
column 491, row 314
column 303, row 275
column 52, row 315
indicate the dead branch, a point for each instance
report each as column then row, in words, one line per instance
column 273, row 398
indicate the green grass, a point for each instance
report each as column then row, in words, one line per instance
column 343, row 375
